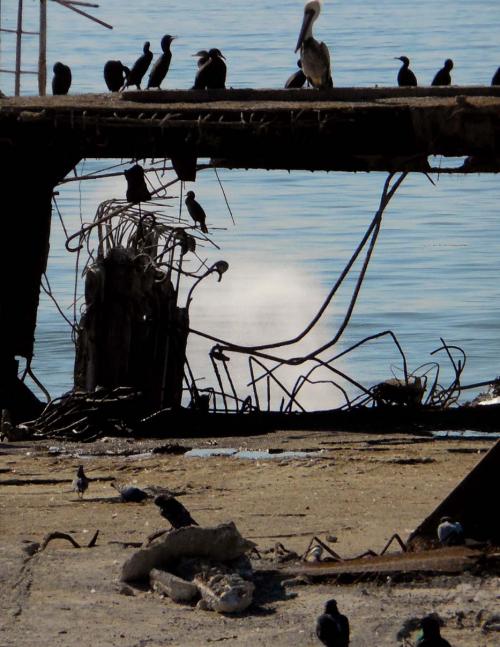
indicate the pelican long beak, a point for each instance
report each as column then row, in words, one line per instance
column 309, row 15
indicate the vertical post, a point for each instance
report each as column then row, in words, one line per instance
column 42, row 49
column 19, row 35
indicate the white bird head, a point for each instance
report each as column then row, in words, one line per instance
column 312, row 9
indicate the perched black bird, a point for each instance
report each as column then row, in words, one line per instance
column 431, row 634
column 496, row 78
column 212, row 74
column 332, row 628
column 137, row 191
column 196, row 211
column 61, row 81
column 443, row 77
column 115, row 75
column 140, row 67
column 203, row 57
column 450, row 533
column 406, row 78
column 160, row 68
column 173, row 511
column 298, row 78
column 130, row 493
column 80, row 482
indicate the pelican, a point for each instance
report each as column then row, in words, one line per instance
column 314, row 55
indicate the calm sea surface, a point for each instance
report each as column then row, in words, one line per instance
column 435, row 269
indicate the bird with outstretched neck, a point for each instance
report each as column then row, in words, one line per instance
column 140, row 67
column 406, row 78
column 61, row 81
column 431, row 634
column 80, row 482
column 443, row 77
column 196, row 211
column 332, row 628
column 115, row 75
column 162, row 65
column 212, row 70
column 314, row 56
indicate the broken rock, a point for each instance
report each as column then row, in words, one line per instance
column 174, row 587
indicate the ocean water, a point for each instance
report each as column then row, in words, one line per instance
column 434, row 273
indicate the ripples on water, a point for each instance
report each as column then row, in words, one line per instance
column 435, row 269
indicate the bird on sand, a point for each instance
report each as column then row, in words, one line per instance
column 314, row 56
column 297, row 79
column 130, row 493
column 431, row 634
column 332, row 628
column 61, row 81
column 80, row 482
column 443, row 77
column 115, row 75
column 173, row 511
column 212, row 74
column 140, row 67
column 450, row 533
column 196, row 211
column 496, row 78
column 162, row 65
column 405, row 75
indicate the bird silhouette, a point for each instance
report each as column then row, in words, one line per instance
column 332, row 628
column 137, row 191
column 115, row 75
column 140, row 67
column 496, row 78
column 61, row 81
column 450, row 533
column 431, row 634
column 203, row 57
column 80, row 482
column 173, row 511
column 405, row 75
column 212, row 73
column 196, row 211
column 162, row 65
column 130, row 493
column 443, row 77
column 297, row 79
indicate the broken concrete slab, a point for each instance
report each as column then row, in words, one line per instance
column 174, row 587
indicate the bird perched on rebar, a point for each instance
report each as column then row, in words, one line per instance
column 332, row 628
column 212, row 74
column 61, row 81
column 297, row 79
column 196, row 211
column 140, row 67
column 80, row 482
column 496, row 78
column 173, row 511
column 450, row 533
column 130, row 493
column 137, row 191
column 406, row 78
column 431, row 634
column 162, row 65
column 443, row 77
column 115, row 75
column 314, row 55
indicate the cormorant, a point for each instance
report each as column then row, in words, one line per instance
column 196, row 211
column 405, row 75
column 496, row 79
column 137, row 191
column 212, row 74
column 443, row 77
column 130, row 493
column 160, row 68
column 450, row 533
column 298, row 78
column 314, row 55
column 173, row 511
column 140, row 67
column 332, row 628
column 80, row 482
column 431, row 634
column 61, row 81
column 115, row 75
column 203, row 57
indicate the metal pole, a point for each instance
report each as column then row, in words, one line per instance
column 19, row 35
column 42, row 49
